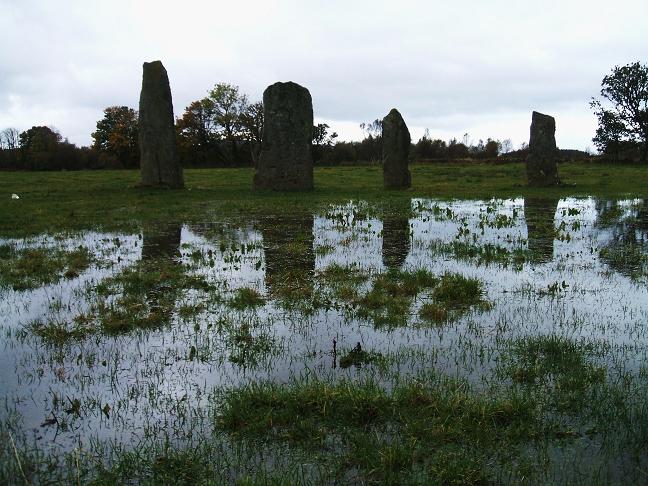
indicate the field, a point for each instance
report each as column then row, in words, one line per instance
column 470, row 330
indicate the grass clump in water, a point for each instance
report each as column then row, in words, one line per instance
column 630, row 260
column 388, row 301
column 245, row 298
column 486, row 254
column 420, row 431
column 247, row 349
column 146, row 294
column 453, row 296
column 561, row 369
column 59, row 332
column 30, row 268
column 336, row 275
column 357, row 357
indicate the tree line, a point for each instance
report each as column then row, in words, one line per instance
column 224, row 129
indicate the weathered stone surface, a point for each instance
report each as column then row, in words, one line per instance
column 541, row 162
column 159, row 163
column 286, row 160
column 395, row 153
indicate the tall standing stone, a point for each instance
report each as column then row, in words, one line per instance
column 286, row 160
column 159, row 163
column 541, row 162
column 395, row 152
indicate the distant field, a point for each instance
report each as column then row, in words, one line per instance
column 109, row 199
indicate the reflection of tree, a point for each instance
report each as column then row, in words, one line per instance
column 289, row 255
column 396, row 242
column 627, row 251
column 539, row 215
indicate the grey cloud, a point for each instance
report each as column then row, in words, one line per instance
column 474, row 63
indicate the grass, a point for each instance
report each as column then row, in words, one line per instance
column 563, row 369
column 247, row 349
column 388, row 301
column 453, row 296
column 142, row 296
column 246, row 298
column 58, row 332
column 358, row 357
column 30, row 268
column 629, row 259
column 486, row 254
column 430, row 431
column 53, row 201
column 147, row 295
column 197, row 392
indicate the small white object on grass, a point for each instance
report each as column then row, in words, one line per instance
column 15, row 196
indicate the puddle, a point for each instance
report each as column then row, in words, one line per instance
column 576, row 268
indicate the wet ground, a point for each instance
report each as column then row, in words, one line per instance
column 234, row 301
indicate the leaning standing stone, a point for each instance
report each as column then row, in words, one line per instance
column 541, row 162
column 286, row 161
column 395, row 153
column 159, row 163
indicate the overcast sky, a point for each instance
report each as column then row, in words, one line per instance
column 467, row 66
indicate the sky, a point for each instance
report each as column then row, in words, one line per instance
column 468, row 66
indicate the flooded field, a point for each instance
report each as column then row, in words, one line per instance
column 461, row 341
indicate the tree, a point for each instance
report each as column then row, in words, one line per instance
column 116, row 135
column 9, row 139
column 214, row 128
column 9, row 153
column 373, row 129
column 251, row 120
column 428, row 148
column 492, row 149
column 506, row 146
column 371, row 147
column 196, row 127
column 43, row 148
column 457, row 150
column 622, row 111
column 227, row 105
column 39, row 139
column 322, row 140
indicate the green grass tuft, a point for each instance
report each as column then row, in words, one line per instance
column 426, row 430
column 30, row 268
column 245, row 298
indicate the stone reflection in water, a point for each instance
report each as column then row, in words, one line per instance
column 161, row 244
column 539, row 215
column 289, row 255
column 396, row 239
column 162, row 249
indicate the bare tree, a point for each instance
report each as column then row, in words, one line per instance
column 9, row 139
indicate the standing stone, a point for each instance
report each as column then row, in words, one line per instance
column 541, row 162
column 159, row 163
column 395, row 152
column 286, row 160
